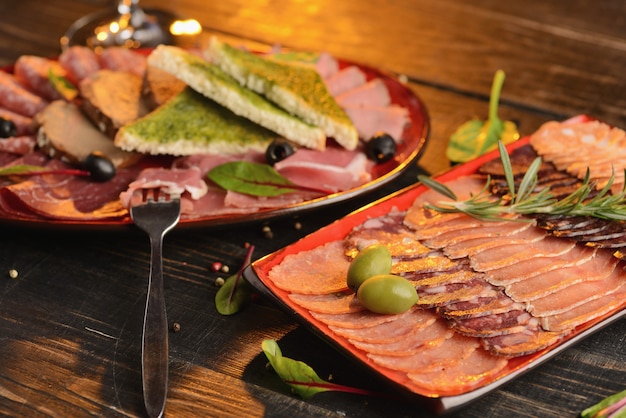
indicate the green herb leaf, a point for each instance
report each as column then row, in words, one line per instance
column 35, row 170
column 476, row 137
column 302, row 379
column 62, row 85
column 613, row 406
column 254, row 179
column 235, row 293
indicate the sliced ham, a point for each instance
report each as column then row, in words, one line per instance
column 173, row 182
column 531, row 340
column 372, row 93
column 326, row 65
column 333, row 170
column 371, row 120
column 345, row 79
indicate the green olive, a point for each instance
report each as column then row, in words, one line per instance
column 387, row 294
column 370, row 261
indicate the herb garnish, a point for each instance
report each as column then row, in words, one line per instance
column 613, row 406
column 35, row 170
column 525, row 200
column 255, row 179
column 235, row 293
column 477, row 137
column 302, row 379
column 63, row 86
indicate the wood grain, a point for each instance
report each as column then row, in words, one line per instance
column 70, row 323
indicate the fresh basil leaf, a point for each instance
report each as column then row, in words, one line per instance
column 251, row 178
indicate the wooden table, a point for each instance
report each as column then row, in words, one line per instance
column 70, row 322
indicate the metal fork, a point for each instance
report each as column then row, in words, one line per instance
column 156, row 213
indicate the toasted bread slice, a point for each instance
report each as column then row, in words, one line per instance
column 209, row 80
column 296, row 88
column 190, row 123
column 65, row 133
column 112, row 99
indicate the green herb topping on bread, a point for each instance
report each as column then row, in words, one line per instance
column 212, row 82
column 298, row 89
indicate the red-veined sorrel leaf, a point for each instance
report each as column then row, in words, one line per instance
column 35, row 170
column 235, row 293
column 300, row 377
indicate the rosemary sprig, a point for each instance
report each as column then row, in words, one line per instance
column 525, row 201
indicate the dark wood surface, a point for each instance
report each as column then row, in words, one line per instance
column 70, row 322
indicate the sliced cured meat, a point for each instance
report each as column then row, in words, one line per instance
column 18, row 144
column 507, row 322
column 372, row 93
column 320, row 270
column 455, row 292
column 334, row 303
column 576, row 295
column 446, row 353
column 16, row 98
column 317, row 170
column 431, row 263
column 371, row 120
column 437, row 279
column 531, row 340
column 79, row 62
column 514, row 235
column 173, row 182
column 478, row 367
column 363, row 319
column 390, row 331
column 389, row 231
column 484, row 230
column 69, row 197
column 524, row 269
column 245, row 201
column 478, row 307
column 34, row 73
column 588, row 311
column 542, row 285
column 345, row 79
column 123, row 59
column 411, row 343
column 511, row 254
column 23, row 124
column 326, row 65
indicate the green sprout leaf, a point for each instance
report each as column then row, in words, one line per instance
column 254, row 179
column 35, row 170
column 62, row 85
column 235, row 293
column 302, row 379
column 476, row 137
column 613, row 406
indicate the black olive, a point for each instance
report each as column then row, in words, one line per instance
column 278, row 150
column 100, row 167
column 7, row 128
column 381, row 148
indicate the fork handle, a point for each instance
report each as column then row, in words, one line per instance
column 154, row 348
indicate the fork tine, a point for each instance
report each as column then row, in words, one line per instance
column 155, row 212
